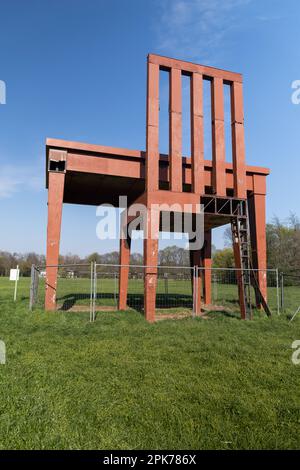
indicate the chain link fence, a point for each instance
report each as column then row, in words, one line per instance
column 224, row 294
column 74, row 286
column 94, row 288
column 290, row 292
column 173, row 291
column 106, row 288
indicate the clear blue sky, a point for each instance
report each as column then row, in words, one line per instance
column 76, row 70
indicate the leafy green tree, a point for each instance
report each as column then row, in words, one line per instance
column 223, row 258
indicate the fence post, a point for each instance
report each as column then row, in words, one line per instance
column 91, row 291
column 115, row 290
column 195, row 290
column 215, row 287
column 16, row 283
column 166, row 283
column 31, row 288
column 282, row 291
column 95, row 290
column 277, row 291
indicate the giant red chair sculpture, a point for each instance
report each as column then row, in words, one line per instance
column 229, row 192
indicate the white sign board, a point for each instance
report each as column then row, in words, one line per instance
column 14, row 274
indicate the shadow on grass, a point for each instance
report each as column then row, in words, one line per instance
column 134, row 301
column 224, row 313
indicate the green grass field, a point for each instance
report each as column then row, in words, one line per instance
column 219, row 383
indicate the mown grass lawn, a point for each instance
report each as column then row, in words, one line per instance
column 121, row 383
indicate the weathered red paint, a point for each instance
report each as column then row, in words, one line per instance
column 150, row 261
column 152, row 129
column 126, row 165
column 218, row 137
column 97, row 174
column 125, row 243
column 197, row 134
column 257, row 215
column 55, row 201
column 238, row 143
column 175, row 131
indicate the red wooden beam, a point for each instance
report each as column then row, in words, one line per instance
column 175, row 131
column 197, row 133
column 189, row 67
column 218, row 137
column 152, row 129
column 238, row 141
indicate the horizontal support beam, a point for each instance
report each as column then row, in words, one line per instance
column 105, row 166
column 136, row 170
column 172, row 198
column 206, row 71
column 93, row 148
column 86, row 150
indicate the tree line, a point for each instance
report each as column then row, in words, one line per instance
column 283, row 252
column 283, row 246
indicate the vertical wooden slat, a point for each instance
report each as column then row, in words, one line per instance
column 175, row 131
column 257, row 218
column 238, row 141
column 56, row 187
column 197, row 133
column 218, row 137
column 150, row 261
column 239, row 276
column 152, row 131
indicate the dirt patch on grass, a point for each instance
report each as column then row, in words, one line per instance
column 179, row 316
column 86, row 308
column 205, row 310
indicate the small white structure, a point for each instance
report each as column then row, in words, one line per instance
column 71, row 275
column 14, row 276
column 2, row 92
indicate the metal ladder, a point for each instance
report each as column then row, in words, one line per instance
column 243, row 256
column 242, row 252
